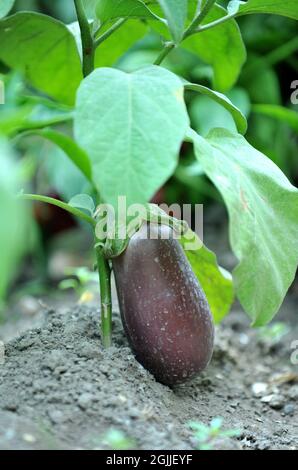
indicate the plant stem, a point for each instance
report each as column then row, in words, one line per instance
column 104, row 273
column 88, row 46
column 205, row 27
column 166, row 50
column 104, row 270
column 192, row 29
column 109, row 32
column 199, row 18
column 55, row 202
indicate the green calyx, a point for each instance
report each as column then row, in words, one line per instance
column 117, row 237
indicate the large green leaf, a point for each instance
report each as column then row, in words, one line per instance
column 107, row 10
column 263, row 210
column 176, row 14
column 45, row 51
column 215, row 281
column 222, row 47
column 5, row 7
column 131, row 126
column 120, row 42
column 287, row 8
column 239, row 118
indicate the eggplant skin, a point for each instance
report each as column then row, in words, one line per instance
column 164, row 311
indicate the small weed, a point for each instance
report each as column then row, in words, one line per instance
column 81, row 281
column 272, row 334
column 117, row 440
column 207, row 436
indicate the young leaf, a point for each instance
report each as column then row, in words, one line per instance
column 239, row 118
column 5, row 7
column 45, row 51
column 122, row 121
column 176, row 14
column 222, row 47
column 287, row 8
column 263, row 210
column 107, row 10
column 72, row 150
column 83, row 201
column 215, row 281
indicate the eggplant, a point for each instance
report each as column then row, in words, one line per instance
column 164, row 310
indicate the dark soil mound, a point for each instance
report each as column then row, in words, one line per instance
column 60, row 389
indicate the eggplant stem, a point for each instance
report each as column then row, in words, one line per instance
column 104, row 272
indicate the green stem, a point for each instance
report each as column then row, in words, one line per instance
column 109, row 32
column 199, row 18
column 192, row 29
column 55, row 202
column 222, row 20
column 89, row 45
column 50, row 122
column 166, row 50
column 88, row 48
column 104, row 272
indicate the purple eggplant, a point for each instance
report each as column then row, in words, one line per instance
column 164, row 311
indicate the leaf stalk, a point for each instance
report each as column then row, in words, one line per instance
column 194, row 28
column 62, row 205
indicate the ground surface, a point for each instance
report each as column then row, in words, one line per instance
column 59, row 389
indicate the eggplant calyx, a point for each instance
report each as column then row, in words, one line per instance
column 117, row 240
column 156, row 215
column 112, row 248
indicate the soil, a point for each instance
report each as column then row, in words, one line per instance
column 60, row 390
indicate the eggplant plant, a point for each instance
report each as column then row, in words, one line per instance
column 124, row 131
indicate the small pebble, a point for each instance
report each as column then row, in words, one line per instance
column 259, row 388
column 89, row 351
column 289, row 409
column 56, row 416
column 293, row 392
column 29, row 305
column 29, row 438
column 85, row 400
column 54, row 359
column 264, row 445
column 277, row 401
